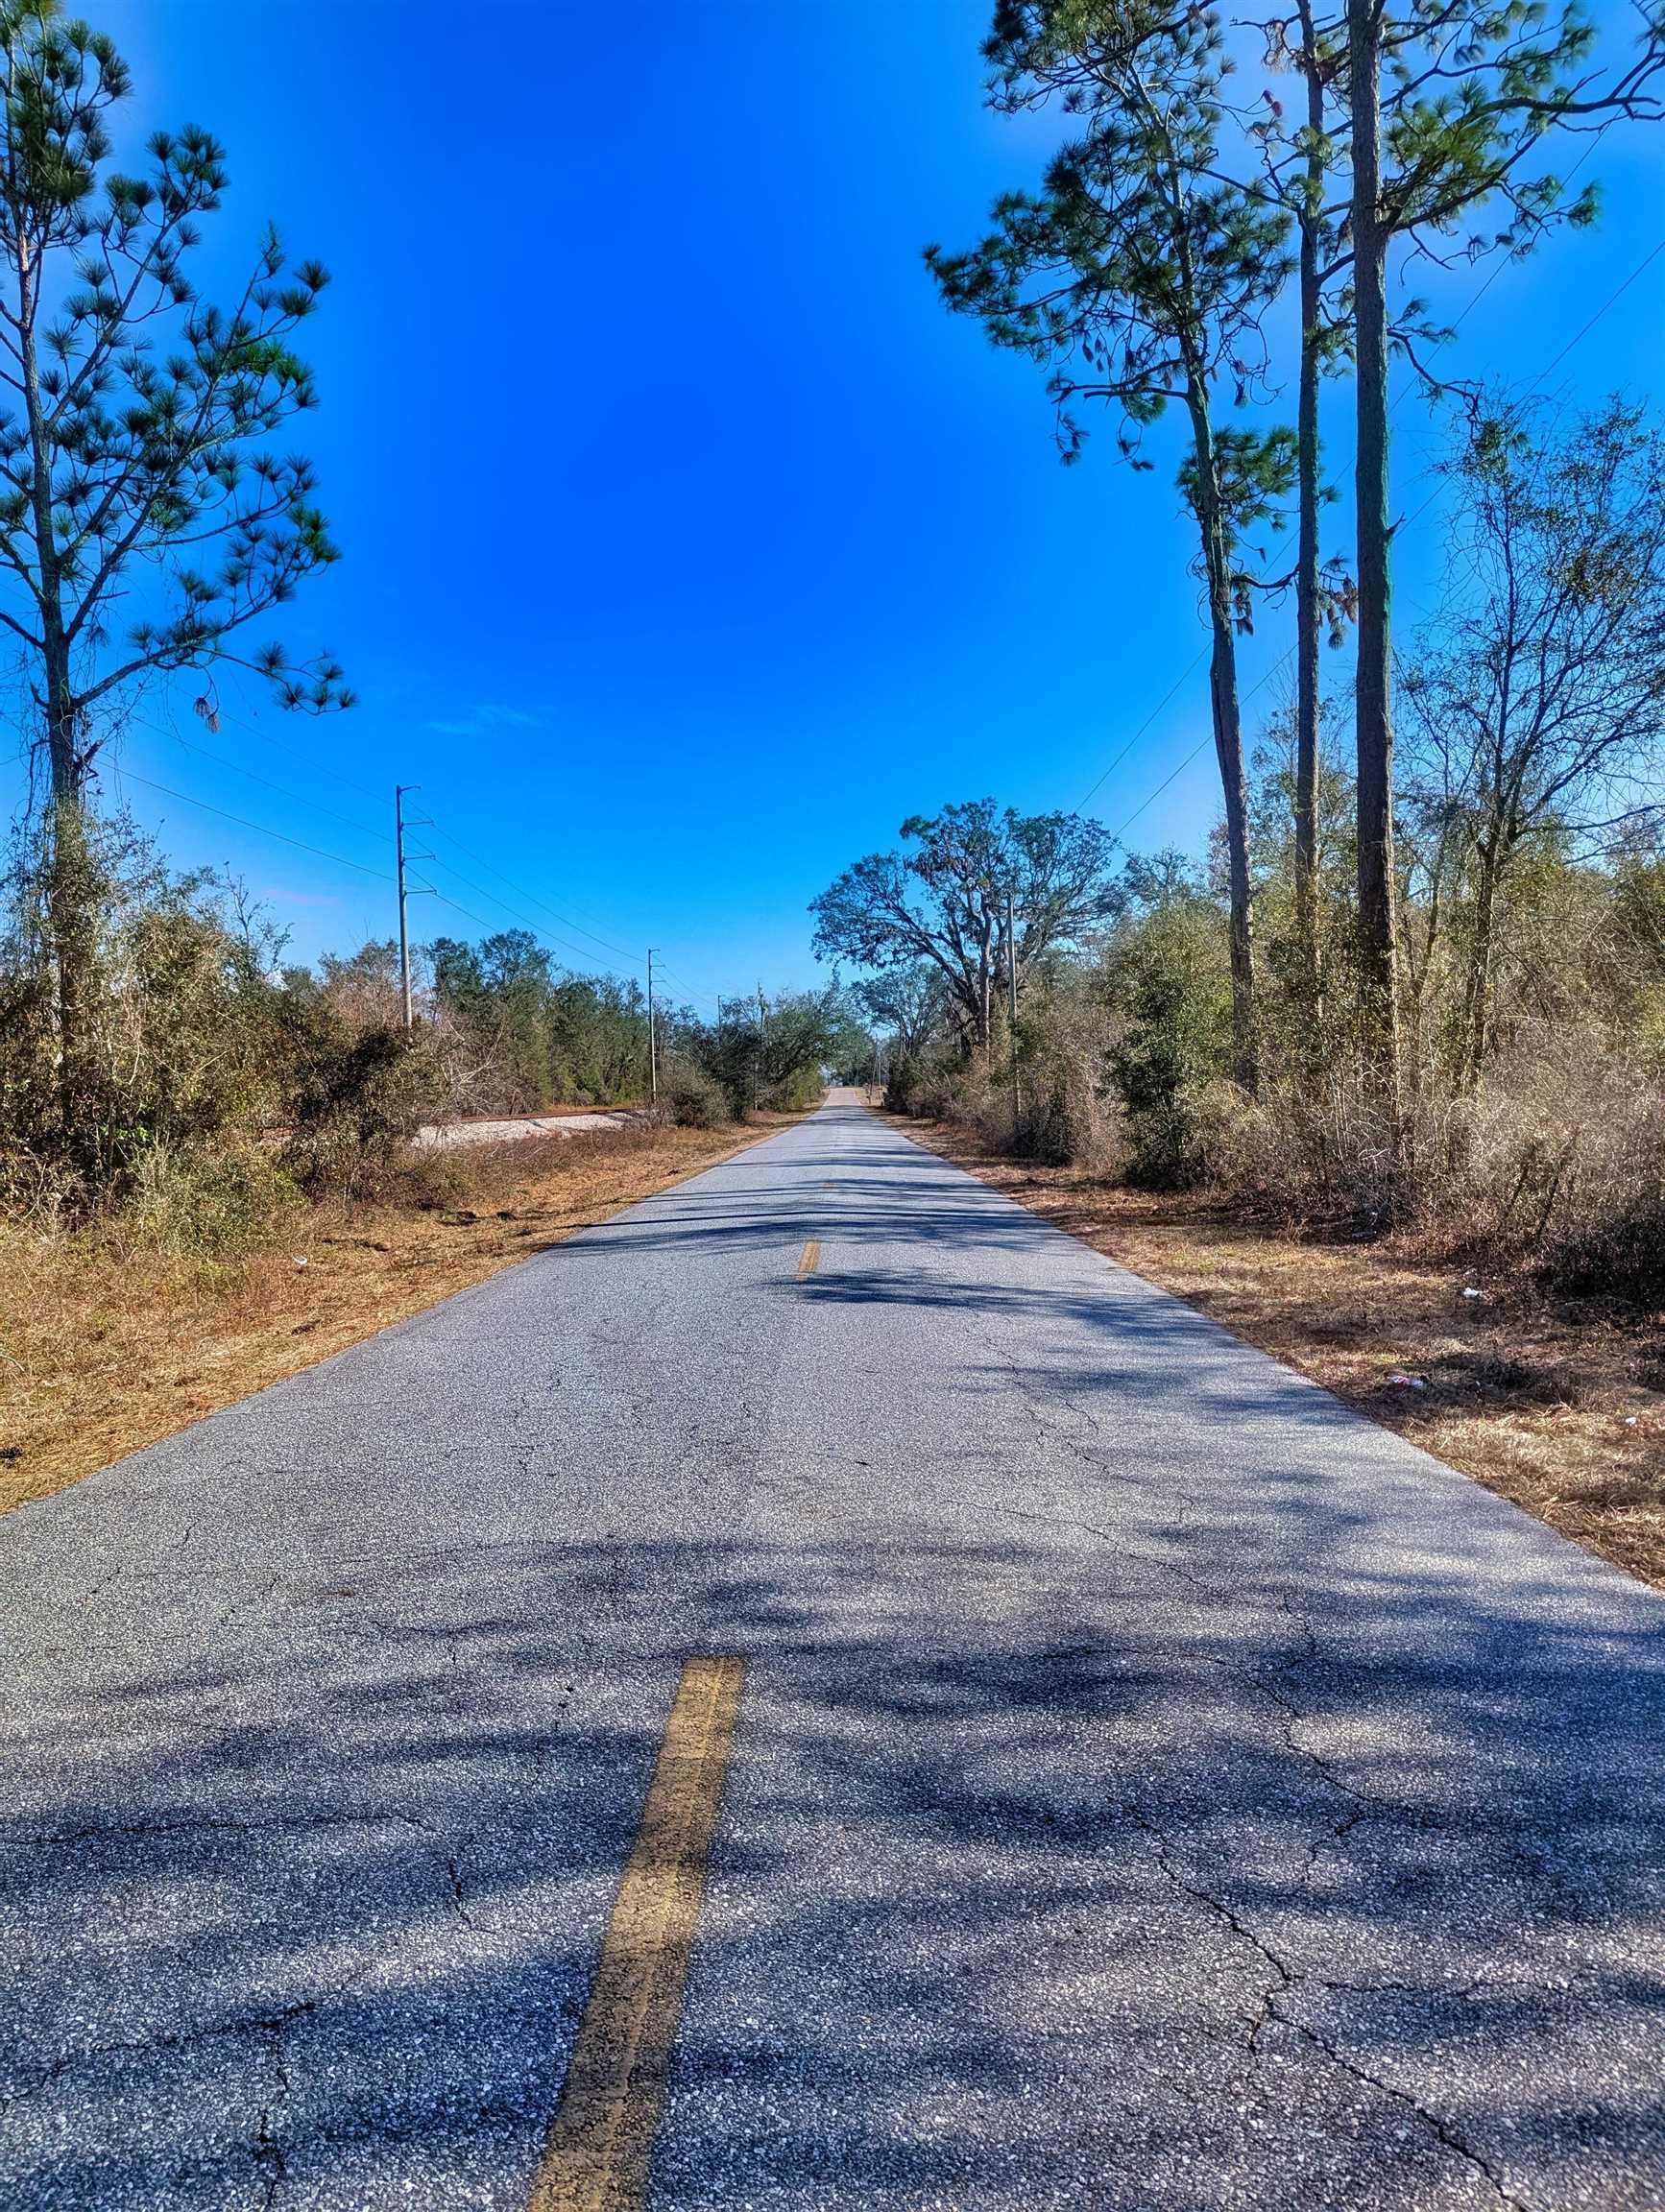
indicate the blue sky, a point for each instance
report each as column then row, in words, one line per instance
column 689, row 544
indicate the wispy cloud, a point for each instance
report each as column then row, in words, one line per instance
column 487, row 716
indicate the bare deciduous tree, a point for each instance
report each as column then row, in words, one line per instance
column 1536, row 706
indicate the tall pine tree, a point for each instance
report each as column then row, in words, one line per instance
column 1140, row 276
column 134, row 468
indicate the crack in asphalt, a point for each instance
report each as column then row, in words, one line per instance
column 1264, row 1680
column 175, row 2040
column 269, row 2156
column 1287, row 1980
column 1294, row 1690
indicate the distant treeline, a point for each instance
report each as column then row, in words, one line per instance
column 217, row 1081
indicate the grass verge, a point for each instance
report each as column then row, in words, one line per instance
column 106, row 1347
column 1557, row 1404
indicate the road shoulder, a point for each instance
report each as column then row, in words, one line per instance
column 107, row 1350
column 1559, row 1408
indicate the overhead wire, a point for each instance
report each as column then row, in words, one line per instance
column 481, row 890
column 378, row 875
column 237, row 768
column 262, row 828
column 569, row 920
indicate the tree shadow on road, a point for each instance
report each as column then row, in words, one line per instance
column 1142, row 1862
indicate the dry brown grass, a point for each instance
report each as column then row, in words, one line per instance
column 105, row 1348
column 1560, row 1405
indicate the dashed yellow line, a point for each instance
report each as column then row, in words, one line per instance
column 600, row 2141
column 812, row 1259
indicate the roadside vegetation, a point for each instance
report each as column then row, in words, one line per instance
column 242, row 1194
column 1382, row 1078
column 1409, row 1008
column 1480, row 1260
column 123, row 1331
column 207, row 1167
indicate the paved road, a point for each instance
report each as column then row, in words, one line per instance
column 1152, row 1785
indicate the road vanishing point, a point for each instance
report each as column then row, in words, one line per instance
column 821, row 1691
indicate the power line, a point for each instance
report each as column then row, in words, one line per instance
column 334, row 775
column 624, row 951
column 260, row 828
column 537, row 929
column 526, row 922
column 1610, row 301
column 378, row 875
column 1196, row 663
column 237, row 768
column 567, row 920
column 348, row 822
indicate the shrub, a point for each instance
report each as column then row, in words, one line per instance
column 210, row 1201
column 1563, row 1167
column 1312, row 1148
column 175, row 1038
column 1172, row 984
column 801, row 1090
column 359, row 1098
column 693, row 1100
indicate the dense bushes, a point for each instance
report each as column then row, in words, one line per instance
column 1515, row 1106
column 531, row 1036
column 214, row 1089
column 1552, row 1159
column 178, row 1041
column 693, row 1098
column 771, row 1052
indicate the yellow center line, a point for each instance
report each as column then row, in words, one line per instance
column 600, row 2141
column 812, row 1259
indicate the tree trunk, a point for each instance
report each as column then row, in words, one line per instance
column 72, row 936
column 1477, row 995
column 1373, row 692
column 1227, row 718
column 70, row 907
column 1307, row 555
column 985, row 986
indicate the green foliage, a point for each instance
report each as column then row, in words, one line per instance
column 801, row 1090
column 218, row 1199
column 772, row 1053
column 693, row 1098
column 543, row 1037
column 359, row 1097
column 208, row 1086
column 138, row 453
column 179, row 1020
column 1168, row 978
column 1534, row 704
column 940, row 908
column 1141, row 270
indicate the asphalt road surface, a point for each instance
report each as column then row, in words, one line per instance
column 1150, row 1785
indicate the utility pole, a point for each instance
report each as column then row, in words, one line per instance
column 1012, row 1020
column 652, row 1047
column 399, row 826
column 762, row 1046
